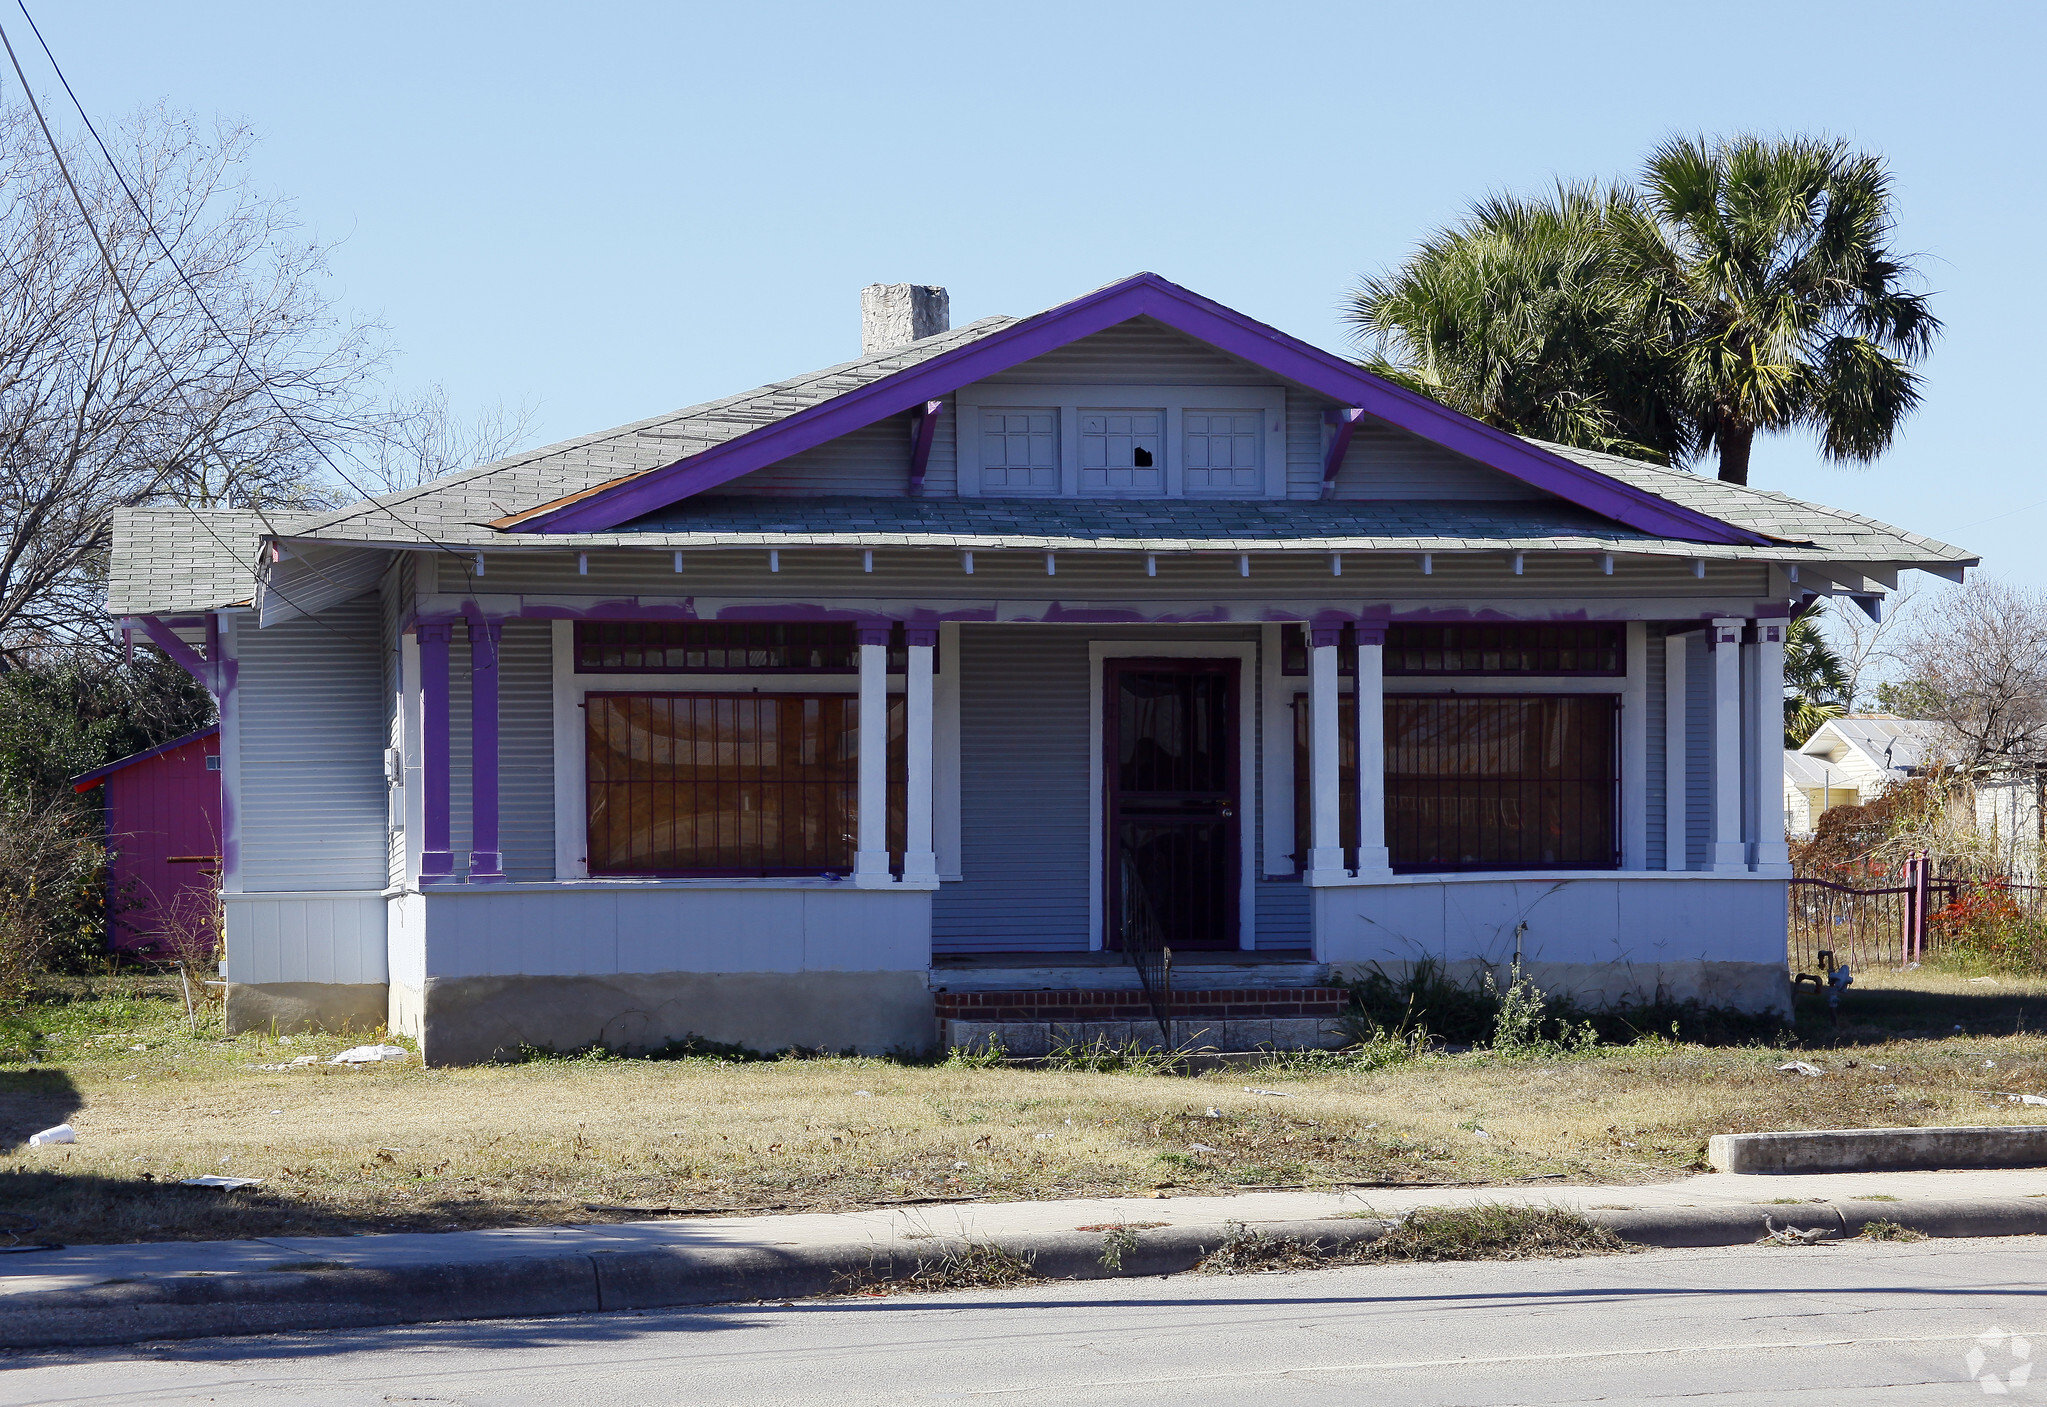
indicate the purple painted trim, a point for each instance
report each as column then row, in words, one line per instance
column 925, row 635
column 86, row 781
column 1143, row 295
column 436, row 861
column 486, row 863
column 1325, row 636
column 920, row 447
column 1346, row 423
column 1370, row 633
column 872, row 633
column 181, row 654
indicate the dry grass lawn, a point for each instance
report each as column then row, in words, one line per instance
column 407, row 1148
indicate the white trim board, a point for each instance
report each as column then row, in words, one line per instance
column 1245, row 652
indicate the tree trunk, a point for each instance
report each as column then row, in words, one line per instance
column 1735, row 442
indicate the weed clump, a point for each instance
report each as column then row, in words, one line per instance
column 1492, row 1231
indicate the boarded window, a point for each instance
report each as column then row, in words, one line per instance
column 1223, row 450
column 1122, row 449
column 1520, row 782
column 731, row 784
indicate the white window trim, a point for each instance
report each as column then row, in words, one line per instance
column 1069, row 399
column 571, row 820
column 1245, row 652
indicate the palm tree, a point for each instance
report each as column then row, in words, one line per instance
column 1517, row 317
column 1746, row 285
column 1815, row 679
column 1769, row 279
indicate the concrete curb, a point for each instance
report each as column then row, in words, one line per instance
column 1880, row 1150
column 357, row 1297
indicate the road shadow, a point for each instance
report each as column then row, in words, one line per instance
column 34, row 1100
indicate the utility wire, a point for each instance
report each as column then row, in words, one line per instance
column 142, row 325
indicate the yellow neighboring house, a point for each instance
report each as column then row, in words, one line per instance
column 1851, row 760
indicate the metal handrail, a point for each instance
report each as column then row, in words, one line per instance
column 1144, row 944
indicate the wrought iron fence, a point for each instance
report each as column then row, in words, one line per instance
column 1900, row 918
column 1144, row 943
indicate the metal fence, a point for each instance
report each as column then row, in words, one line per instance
column 1897, row 919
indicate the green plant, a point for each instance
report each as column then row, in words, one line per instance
column 1491, row 1231
column 1100, row 1055
column 1890, row 1231
column 1525, row 1025
column 988, row 1055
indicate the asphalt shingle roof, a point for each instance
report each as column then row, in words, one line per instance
column 168, row 560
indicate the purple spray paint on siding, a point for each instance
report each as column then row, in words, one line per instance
column 486, row 862
column 436, row 861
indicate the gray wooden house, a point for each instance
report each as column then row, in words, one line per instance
column 898, row 702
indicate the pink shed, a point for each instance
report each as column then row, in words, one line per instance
column 163, row 843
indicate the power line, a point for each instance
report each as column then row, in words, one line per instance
column 142, row 325
column 240, row 356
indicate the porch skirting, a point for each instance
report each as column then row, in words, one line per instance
column 468, row 1020
column 291, row 1007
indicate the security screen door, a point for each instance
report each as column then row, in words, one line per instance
column 1173, row 809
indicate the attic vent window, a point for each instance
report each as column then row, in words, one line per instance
column 213, row 762
column 1122, row 449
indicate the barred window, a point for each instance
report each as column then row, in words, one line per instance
column 731, row 784
column 1506, row 649
column 1503, row 782
column 724, row 647
column 1490, row 782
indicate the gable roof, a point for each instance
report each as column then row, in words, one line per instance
column 183, row 559
column 994, row 350
column 1900, row 745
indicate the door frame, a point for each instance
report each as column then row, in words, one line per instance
column 1249, row 810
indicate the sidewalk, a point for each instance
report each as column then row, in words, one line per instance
column 81, row 1267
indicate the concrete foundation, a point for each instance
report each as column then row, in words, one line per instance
column 290, row 1007
column 1743, row 986
column 468, row 1020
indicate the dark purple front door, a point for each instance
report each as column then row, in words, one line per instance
column 1174, row 847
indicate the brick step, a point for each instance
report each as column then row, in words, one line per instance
column 1116, row 1004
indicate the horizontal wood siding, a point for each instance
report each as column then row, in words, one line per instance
column 306, row 938
column 1698, row 749
column 526, row 750
column 1138, row 352
column 1655, row 776
column 1024, row 803
column 312, row 752
column 1284, row 915
column 1385, row 462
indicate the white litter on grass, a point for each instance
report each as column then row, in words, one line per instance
column 1041, row 1135
column 144, row 1047
column 2025, row 1099
column 1990, row 1064
column 304, row 1060
column 1480, row 1133
column 1276, row 1094
column 131, row 1077
column 1202, row 1148
column 368, row 1055
column 1801, row 1067
column 863, row 1094
column 210, row 1180
column 63, row 1133
column 1215, row 1113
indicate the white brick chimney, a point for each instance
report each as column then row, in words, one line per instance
column 892, row 314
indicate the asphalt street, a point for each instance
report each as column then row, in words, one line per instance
column 1858, row 1323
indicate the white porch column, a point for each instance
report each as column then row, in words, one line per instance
column 1325, row 854
column 1729, row 850
column 870, row 858
column 1373, row 858
column 920, row 856
column 1676, row 767
column 1771, row 854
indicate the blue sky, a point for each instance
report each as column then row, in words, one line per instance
column 611, row 210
